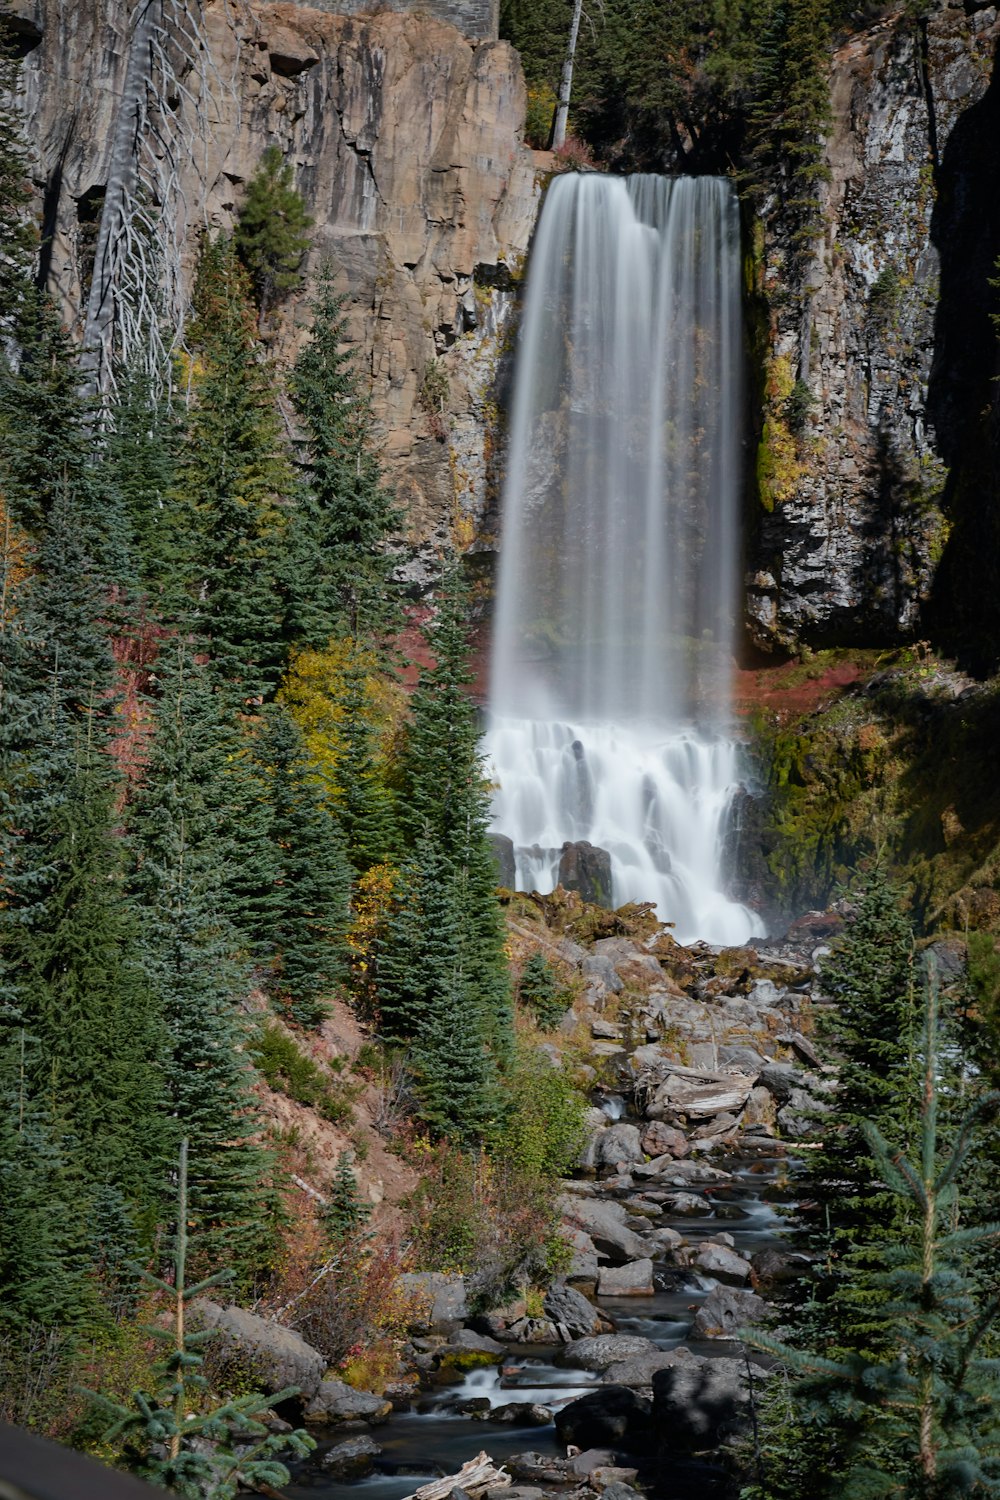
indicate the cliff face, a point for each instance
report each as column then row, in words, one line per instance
column 404, row 134
column 877, row 362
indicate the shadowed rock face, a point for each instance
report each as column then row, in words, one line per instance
column 887, row 331
column 404, row 136
column 473, row 18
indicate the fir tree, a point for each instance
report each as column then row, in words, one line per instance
column 310, row 913
column 339, row 564
column 191, row 957
column 345, row 1212
column 271, row 235
column 176, row 1437
column 233, row 483
column 921, row 1414
column 364, row 803
column 445, row 801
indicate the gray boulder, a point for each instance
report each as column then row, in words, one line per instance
column 521, row 1414
column 605, row 1223
column 607, row 1349
column 570, row 1309
column 276, row 1357
column 352, row 1459
column 618, row 1143
column 660, row 1139
column 638, row 1373
column 610, row 1415
column 336, row 1404
column 699, row 1403
column 722, row 1263
column 725, row 1311
column 633, row 1280
column 442, row 1306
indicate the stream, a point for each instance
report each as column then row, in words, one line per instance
column 437, row 1436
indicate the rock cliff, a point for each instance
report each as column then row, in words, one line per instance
column 875, row 363
column 404, row 135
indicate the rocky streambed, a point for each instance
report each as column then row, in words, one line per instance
column 628, row 1374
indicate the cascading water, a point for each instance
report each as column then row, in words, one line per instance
column 612, row 638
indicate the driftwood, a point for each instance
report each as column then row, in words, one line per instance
column 474, row 1477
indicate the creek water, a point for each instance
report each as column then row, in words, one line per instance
column 436, row 1438
column 613, row 629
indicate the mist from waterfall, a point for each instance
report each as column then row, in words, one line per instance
column 613, row 631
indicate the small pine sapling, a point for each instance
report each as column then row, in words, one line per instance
column 160, row 1427
column 345, row 1212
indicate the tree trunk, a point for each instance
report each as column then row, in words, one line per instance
column 566, row 81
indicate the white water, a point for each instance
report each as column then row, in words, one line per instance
column 613, row 630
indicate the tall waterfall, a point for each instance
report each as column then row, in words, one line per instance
column 613, row 627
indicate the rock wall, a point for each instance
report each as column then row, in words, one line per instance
column 874, row 360
column 405, row 138
column 475, row 18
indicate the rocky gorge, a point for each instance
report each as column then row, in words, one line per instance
column 707, row 1083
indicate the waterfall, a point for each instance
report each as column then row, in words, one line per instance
column 612, row 643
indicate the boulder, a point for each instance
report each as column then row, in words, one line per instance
column 699, row 1403
column 797, row 1118
column 773, row 1267
column 336, row 1403
column 503, row 858
column 586, row 869
column 602, row 973
column 612, row 1414
column 442, row 1297
column 722, row 1263
column 606, row 1349
column 584, row 1267
column 660, row 1139
column 725, row 1311
column 533, row 1331
column 779, row 1079
column 542, row 1468
column 521, row 1414
column 638, row 1373
column 618, row 1143
column 605, row 1223
column 352, row 1459
column 689, row 1205
column 760, row 1109
column 584, row 1465
column 275, row 1356
column 478, row 1343
column 633, row 1280
column 570, row 1309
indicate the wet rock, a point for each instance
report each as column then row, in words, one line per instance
column 521, row 1414
column 278, row 1356
column 633, row 1280
column 503, row 856
column 441, row 1298
column 335, row 1403
column 725, row 1311
column 607, row 1349
column 722, row 1263
column 591, row 1461
column 586, row 869
column 570, row 1310
column 350, row 1460
column 688, row 1204
column 611, row 1414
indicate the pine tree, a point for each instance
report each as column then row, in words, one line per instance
column 919, row 1418
column 310, row 914
column 233, row 483
column 445, row 800
column 345, row 1212
column 271, row 235
column 364, row 803
column 185, row 1444
column 340, row 568
column 191, row 955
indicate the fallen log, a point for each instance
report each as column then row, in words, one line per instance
column 474, row 1477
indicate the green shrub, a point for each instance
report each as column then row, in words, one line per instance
column 291, row 1072
column 540, row 992
column 543, row 1131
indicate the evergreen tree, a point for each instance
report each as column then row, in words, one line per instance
column 922, row 1413
column 139, row 456
column 177, row 1439
column 445, row 800
column 345, row 1212
column 271, row 235
column 364, row 803
column 310, row 913
column 338, row 560
column 191, row 957
column 233, row 483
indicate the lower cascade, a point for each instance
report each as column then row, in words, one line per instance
column 612, row 645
